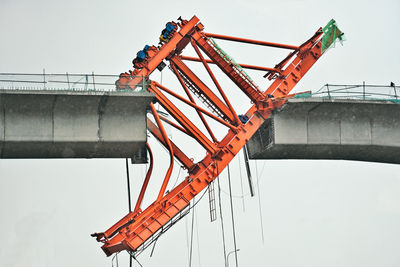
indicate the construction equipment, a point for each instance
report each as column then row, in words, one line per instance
column 138, row 229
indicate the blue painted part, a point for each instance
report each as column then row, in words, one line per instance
column 141, row 55
column 168, row 29
column 243, row 118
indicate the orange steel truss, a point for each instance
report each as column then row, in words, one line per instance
column 139, row 228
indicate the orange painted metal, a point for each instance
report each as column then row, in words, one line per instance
column 137, row 229
column 189, row 95
column 216, row 83
column 179, row 116
column 179, row 155
column 146, row 181
column 189, row 103
column 245, row 66
column 250, row 41
column 176, row 126
column 229, row 68
column 202, row 91
column 162, row 53
column 171, row 152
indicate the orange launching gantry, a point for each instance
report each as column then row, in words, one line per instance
column 140, row 228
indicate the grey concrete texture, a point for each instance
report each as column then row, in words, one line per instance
column 316, row 128
column 65, row 124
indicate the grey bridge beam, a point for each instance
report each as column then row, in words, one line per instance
column 65, row 124
column 316, row 128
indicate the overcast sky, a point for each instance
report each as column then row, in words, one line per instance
column 315, row 213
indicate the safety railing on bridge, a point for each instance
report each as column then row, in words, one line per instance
column 63, row 82
column 362, row 92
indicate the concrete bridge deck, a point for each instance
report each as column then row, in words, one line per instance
column 73, row 124
column 318, row 128
column 89, row 119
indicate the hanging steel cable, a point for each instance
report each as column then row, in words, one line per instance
column 198, row 240
column 128, row 184
column 259, row 204
column 241, row 181
column 129, row 199
column 232, row 216
column 116, row 260
column 191, row 237
column 220, row 214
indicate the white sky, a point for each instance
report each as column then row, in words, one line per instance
column 315, row 213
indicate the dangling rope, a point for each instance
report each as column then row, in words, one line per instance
column 152, row 250
column 186, row 224
column 241, row 182
column 232, row 215
column 187, row 236
column 220, row 213
column 129, row 197
column 259, row 204
column 131, row 256
column 128, row 183
column 198, row 240
column 191, row 237
column 116, row 260
column 177, row 178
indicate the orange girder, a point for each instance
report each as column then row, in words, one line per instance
column 189, row 95
column 250, row 41
column 202, row 90
column 245, row 66
column 183, row 159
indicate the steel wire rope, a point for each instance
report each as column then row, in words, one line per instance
column 198, row 240
column 194, row 205
column 235, row 196
column 116, row 260
column 129, row 196
column 133, row 257
column 232, row 216
column 191, row 237
column 187, row 236
column 220, row 210
column 128, row 184
column 241, row 182
column 259, row 204
column 177, row 177
column 152, row 250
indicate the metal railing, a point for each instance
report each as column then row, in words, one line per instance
column 63, row 82
column 362, row 92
